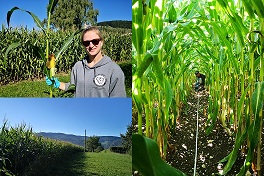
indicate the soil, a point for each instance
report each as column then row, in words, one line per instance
column 211, row 148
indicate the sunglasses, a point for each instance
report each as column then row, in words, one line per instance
column 94, row 42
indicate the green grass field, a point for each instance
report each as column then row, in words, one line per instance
column 37, row 88
column 100, row 164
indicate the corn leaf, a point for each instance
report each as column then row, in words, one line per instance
column 9, row 13
column 147, row 160
column 241, row 102
column 192, row 8
column 10, row 47
column 259, row 7
column 231, row 158
column 51, row 6
column 144, row 65
column 248, row 7
column 257, row 98
column 66, row 44
column 158, row 71
column 254, row 129
column 158, row 11
column 168, row 96
column 35, row 18
column 137, row 30
column 236, row 21
column 172, row 14
column 136, row 95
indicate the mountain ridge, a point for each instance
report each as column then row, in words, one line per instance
column 106, row 141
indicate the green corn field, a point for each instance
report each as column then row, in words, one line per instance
column 23, row 62
column 223, row 39
column 22, row 151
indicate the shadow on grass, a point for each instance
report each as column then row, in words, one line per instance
column 75, row 164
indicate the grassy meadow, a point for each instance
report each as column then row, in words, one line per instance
column 30, row 88
column 103, row 163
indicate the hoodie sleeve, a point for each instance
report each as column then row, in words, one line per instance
column 117, row 85
column 72, row 79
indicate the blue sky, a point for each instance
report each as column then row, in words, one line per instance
column 108, row 10
column 99, row 116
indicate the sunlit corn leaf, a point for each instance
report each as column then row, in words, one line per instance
column 172, row 14
column 35, row 18
column 144, row 65
column 248, row 7
column 137, row 30
column 259, row 7
column 67, row 43
column 11, row 47
column 147, row 160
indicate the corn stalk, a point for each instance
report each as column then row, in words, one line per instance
column 50, row 72
column 22, row 149
column 212, row 36
column 24, row 63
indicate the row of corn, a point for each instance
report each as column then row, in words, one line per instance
column 23, row 152
column 23, row 62
column 221, row 38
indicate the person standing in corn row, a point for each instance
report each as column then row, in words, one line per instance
column 96, row 75
column 200, row 82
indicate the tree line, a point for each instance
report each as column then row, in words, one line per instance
column 117, row 24
column 93, row 144
column 73, row 15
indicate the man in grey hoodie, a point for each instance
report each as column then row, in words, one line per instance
column 96, row 75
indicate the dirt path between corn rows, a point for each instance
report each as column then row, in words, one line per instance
column 211, row 148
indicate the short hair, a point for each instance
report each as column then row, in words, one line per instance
column 196, row 72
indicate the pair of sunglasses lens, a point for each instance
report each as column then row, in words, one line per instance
column 94, row 42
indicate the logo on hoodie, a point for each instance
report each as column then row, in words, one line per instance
column 99, row 80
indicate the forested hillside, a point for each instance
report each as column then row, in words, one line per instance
column 116, row 24
column 106, row 141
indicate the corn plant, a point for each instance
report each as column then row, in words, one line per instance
column 158, row 54
column 224, row 38
column 22, row 149
column 24, row 63
column 147, row 160
column 49, row 71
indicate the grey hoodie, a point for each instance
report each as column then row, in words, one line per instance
column 104, row 79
